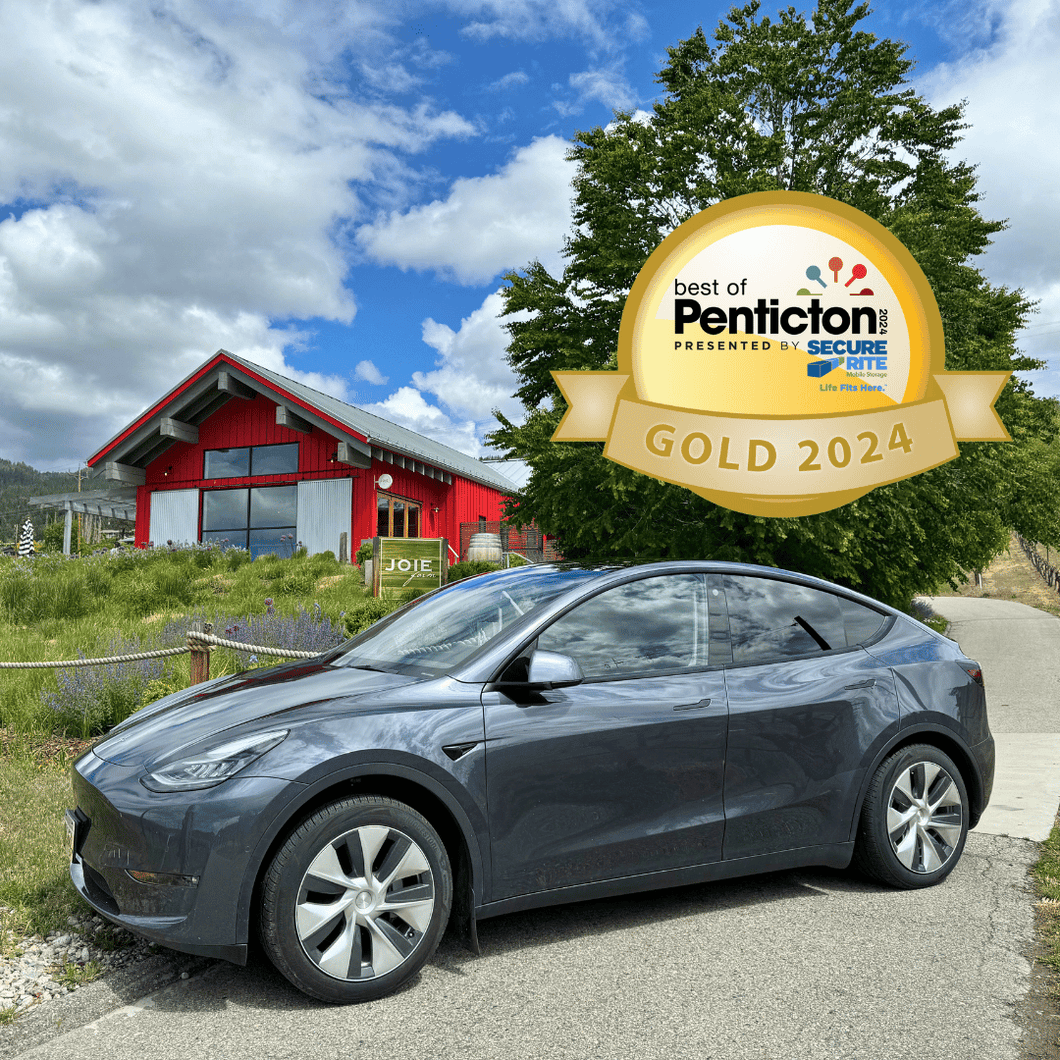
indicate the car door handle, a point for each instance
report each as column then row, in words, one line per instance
column 694, row 706
column 869, row 682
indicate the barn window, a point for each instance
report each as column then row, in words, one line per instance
column 262, row 519
column 397, row 517
column 249, row 461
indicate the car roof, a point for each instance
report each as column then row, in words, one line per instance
column 612, row 572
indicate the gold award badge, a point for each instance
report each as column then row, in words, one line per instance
column 781, row 354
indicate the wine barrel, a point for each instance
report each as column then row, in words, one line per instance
column 485, row 547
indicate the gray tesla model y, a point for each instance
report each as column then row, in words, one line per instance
column 534, row 736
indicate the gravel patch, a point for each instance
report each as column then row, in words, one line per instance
column 36, row 968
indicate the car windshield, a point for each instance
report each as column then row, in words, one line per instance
column 438, row 632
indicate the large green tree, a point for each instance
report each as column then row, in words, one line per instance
column 803, row 104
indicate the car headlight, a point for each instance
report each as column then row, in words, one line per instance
column 212, row 766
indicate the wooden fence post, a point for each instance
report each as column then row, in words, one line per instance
column 200, row 655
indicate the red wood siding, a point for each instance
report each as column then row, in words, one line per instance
column 243, row 423
column 238, row 424
column 143, row 516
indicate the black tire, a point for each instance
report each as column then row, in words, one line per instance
column 336, row 918
column 907, row 837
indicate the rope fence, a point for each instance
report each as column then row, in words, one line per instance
column 160, row 654
column 199, row 644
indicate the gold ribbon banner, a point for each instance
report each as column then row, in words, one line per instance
column 841, row 454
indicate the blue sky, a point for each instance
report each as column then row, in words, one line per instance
column 334, row 190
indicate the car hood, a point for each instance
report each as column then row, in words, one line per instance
column 198, row 712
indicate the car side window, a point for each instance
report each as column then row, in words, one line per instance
column 771, row 620
column 861, row 623
column 654, row 625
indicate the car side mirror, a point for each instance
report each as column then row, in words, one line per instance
column 549, row 669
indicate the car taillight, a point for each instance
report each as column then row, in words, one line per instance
column 975, row 674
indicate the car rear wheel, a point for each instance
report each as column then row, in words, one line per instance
column 914, row 821
column 356, row 900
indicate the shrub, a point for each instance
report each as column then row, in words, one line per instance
column 359, row 618
column 161, row 687
column 296, row 582
column 468, row 568
column 52, row 536
column 56, row 607
column 136, row 594
column 173, row 583
column 34, row 590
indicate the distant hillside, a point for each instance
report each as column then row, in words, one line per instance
column 19, row 482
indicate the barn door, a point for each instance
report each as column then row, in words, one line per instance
column 325, row 508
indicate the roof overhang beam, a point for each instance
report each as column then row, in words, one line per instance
column 286, row 417
column 227, row 383
column 354, row 453
column 124, row 473
column 183, row 432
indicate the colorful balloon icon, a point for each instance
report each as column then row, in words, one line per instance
column 814, row 273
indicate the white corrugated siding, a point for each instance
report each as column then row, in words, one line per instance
column 325, row 507
column 174, row 517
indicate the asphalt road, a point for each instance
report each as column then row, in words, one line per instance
column 807, row 965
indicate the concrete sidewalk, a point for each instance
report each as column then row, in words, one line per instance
column 1018, row 648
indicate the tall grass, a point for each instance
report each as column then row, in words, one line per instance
column 52, row 607
column 35, row 888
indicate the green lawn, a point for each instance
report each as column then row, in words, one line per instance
column 34, row 880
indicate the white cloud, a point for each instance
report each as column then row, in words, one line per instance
column 487, row 224
column 516, row 77
column 1013, row 110
column 470, row 380
column 605, row 85
column 606, row 28
column 964, row 24
column 637, row 26
column 472, row 377
column 367, row 371
column 407, row 407
column 187, row 170
column 537, row 20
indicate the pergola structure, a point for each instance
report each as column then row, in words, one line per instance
column 112, row 504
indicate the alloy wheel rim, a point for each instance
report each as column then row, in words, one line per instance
column 925, row 817
column 365, row 903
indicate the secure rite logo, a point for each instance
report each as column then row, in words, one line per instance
column 781, row 354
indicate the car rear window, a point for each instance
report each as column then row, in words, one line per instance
column 861, row 623
column 770, row 619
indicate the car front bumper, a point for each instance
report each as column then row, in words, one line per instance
column 196, row 852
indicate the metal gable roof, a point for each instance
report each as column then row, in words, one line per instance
column 142, row 441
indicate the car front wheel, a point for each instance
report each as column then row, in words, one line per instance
column 914, row 821
column 356, row 900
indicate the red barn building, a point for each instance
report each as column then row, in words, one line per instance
column 239, row 454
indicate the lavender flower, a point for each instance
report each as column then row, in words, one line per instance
column 309, row 630
column 91, row 699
